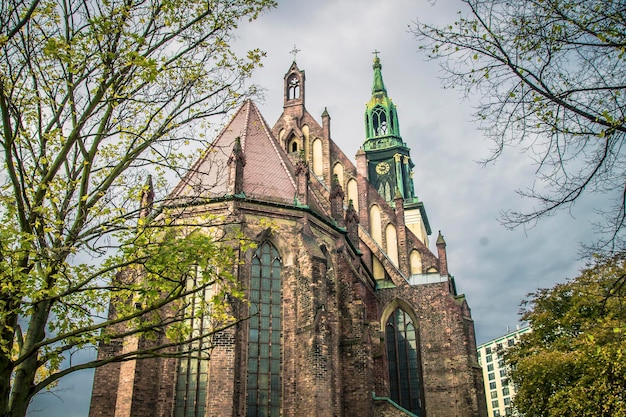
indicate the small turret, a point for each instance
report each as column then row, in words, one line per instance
column 441, row 253
column 352, row 223
column 236, row 163
column 147, row 198
column 302, row 181
column 326, row 124
column 336, row 201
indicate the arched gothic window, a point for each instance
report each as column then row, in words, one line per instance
column 379, row 120
column 264, row 350
column 292, row 145
column 384, row 189
column 192, row 372
column 405, row 369
column 318, row 158
column 293, row 88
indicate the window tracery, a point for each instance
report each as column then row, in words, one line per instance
column 192, row 372
column 293, row 88
column 264, row 343
column 403, row 357
column 379, row 121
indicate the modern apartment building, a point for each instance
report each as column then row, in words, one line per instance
column 498, row 389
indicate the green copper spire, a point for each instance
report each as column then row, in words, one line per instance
column 379, row 85
column 381, row 119
column 389, row 161
column 389, row 165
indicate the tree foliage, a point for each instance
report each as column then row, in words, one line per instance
column 551, row 75
column 573, row 363
column 93, row 96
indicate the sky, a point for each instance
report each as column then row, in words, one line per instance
column 494, row 267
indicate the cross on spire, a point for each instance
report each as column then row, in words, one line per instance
column 375, row 53
column 294, row 52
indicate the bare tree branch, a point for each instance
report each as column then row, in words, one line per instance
column 551, row 74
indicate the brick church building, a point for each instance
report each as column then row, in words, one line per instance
column 353, row 314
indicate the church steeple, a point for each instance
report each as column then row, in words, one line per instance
column 389, row 165
column 294, row 88
column 381, row 119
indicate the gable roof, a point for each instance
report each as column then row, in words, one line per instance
column 266, row 175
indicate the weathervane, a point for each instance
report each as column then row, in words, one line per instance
column 294, row 52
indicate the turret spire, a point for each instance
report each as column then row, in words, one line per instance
column 379, row 85
column 381, row 120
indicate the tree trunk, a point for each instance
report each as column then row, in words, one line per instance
column 21, row 392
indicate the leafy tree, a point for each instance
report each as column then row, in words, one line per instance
column 551, row 77
column 93, row 94
column 573, row 363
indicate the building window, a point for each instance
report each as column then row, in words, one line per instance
column 404, row 363
column 490, row 367
column 496, row 413
column 494, row 394
column 511, row 342
column 508, row 411
column 507, row 401
column 499, row 346
column 192, row 372
column 318, row 157
column 293, row 146
column 501, row 363
column 293, row 88
column 492, row 385
column 379, row 120
column 505, row 391
column 492, row 376
column 489, row 358
column 264, row 353
column 495, row 404
column 384, row 189
column 502, row 373
column 488, row 350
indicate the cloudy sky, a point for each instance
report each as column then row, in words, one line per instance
column 493, row 266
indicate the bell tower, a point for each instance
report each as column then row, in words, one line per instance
column 390, row 167
column 389, row 164
column 294, row 90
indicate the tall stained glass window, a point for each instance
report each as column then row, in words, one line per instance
column 192, row 373
column 264, row 355
column 405, row 373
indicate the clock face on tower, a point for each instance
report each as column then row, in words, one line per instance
column 382, row 168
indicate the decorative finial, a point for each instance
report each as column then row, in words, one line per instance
column 376, row 60
column 440, row 239
column 294, row 52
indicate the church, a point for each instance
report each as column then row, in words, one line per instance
column 352, row 314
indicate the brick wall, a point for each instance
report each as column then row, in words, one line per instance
column 332, row 343
column 449, row 372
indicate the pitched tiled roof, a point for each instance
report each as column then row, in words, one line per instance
column 266, row 175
